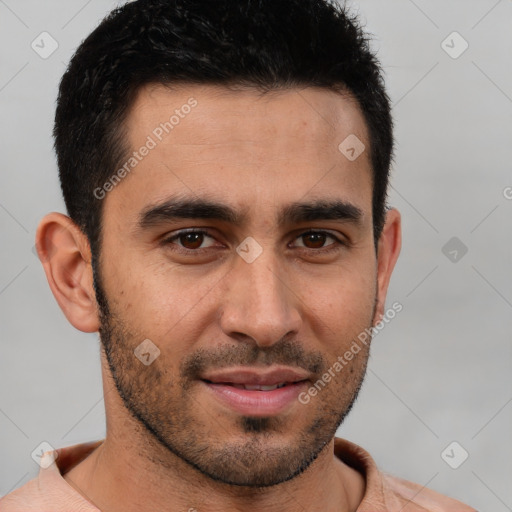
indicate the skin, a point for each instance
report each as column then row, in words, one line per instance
column 169, row 444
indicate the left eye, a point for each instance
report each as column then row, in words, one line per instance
column 191, row 239
column 316, row 239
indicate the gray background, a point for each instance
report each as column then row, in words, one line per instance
column 439, row 372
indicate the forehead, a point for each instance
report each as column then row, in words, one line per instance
column 244, row 147
column 224, row 115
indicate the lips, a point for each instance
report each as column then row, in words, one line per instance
column 257, row 392
column 257, row 387
column 256, row 378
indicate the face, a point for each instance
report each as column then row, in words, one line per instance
column 241, row 245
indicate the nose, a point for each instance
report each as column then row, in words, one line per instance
column 259, row 303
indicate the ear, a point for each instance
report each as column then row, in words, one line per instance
column 65, row 254
column 388, row 249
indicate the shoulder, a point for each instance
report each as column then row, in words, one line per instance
column 23, row 498
column 424, row 499
column 49, row 490
column 386, row 493
column 34, row 497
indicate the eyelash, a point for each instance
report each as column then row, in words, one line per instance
column 330, row 248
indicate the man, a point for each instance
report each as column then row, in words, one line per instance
column 224, row 166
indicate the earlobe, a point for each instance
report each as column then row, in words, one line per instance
column 65, row 254
column 390, row 243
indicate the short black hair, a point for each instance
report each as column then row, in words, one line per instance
column 264, row 44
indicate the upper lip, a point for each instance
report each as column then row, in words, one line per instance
column 257, row 376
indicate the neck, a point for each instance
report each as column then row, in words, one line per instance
column 132, row 472
column 121, row 475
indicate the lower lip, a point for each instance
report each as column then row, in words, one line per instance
column 257, row 403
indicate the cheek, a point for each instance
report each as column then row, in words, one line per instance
column 341, row 307
column 158, row 300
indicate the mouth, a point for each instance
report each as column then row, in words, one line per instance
column 253, row 387
column 258, row 378
column 252, row 392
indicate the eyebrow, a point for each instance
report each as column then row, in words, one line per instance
column 198, row 208
column 320, row 210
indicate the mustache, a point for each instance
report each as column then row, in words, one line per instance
column 287, row 353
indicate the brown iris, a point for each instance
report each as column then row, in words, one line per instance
column 317, row 240
column 192, row 240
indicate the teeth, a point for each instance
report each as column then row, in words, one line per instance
column 259, row 388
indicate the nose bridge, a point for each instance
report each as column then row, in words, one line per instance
column 258, row 303
column 267, row 287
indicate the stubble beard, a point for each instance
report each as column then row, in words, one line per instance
column 258, row 452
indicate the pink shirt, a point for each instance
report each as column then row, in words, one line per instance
column 49, row 492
